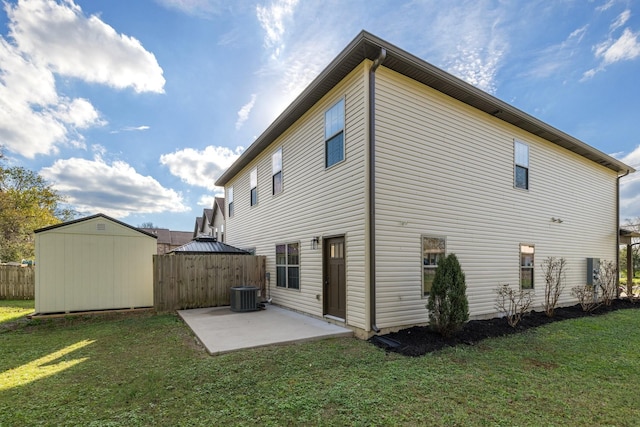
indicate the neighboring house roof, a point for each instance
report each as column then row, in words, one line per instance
column 198, row 226
column 219, row 201
column 179, row 238
column 368, row 46
column 99, row 215
column 169, row 237
column 208, row 244
column 163, row 234
column 207, row 214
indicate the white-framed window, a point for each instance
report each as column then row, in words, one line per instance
column 433, row 251
column 253, row 183
column 230, row 202
column 276, row 171
column 527, row 253
column 521, row 165
column 288, row 265
column 334, row 134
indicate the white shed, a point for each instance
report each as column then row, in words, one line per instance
column 93, row 263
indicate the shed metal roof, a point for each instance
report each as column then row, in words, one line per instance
column 207, row 244
column 367, row 46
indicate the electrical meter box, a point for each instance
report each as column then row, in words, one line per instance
column 593, row 271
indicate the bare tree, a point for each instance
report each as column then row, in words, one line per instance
column 554, row 276
column 608, row 276
column 513, row 304
column 587, row 297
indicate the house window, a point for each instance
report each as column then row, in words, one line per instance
column 526, row 266
column 288, row 265
column 433, row 250
column 276, row 164
column 253, row 181
column 334, row 134
column 230, row 198
column 521, row 165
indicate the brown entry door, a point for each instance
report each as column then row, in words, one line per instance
column 335, row 290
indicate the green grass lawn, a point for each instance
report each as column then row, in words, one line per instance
column 144, row 369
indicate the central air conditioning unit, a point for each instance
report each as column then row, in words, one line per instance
column 244, row 298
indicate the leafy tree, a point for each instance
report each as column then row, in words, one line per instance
column 27, row 202
column 448, row 306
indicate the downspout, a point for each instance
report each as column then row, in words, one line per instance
column 372, row 189
column 618, row 233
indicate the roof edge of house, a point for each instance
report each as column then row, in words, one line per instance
column 87, row 218
column 366, row 46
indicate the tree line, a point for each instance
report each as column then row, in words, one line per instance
column 27, row 202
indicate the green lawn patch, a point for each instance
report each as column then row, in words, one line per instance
column 12, row 310
column 144, row 369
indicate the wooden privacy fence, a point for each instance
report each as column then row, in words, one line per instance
column 194, row 281
column 17, row 282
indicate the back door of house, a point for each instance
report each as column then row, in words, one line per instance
column 335, row 290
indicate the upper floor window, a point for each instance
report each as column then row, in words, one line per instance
column 521, row 165
column 230, row 199
column 433, row 251
column 526, row 266
column 276, row 164
column 253, row 181
column 334, row 134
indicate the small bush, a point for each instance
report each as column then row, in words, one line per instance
column 587, row 297
column 513, row 304
column 448, row 306
column 608, row 276
column 554, row 276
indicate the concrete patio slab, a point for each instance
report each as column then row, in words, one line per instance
column 221, row 330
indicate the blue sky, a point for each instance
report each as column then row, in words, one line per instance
column 134, row 108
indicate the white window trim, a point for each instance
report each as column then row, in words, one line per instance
column 286, row 266
column 422, row 267
column 253, row 184
column 274, row 172
column 532, row 267
column 517, row 142
column 230, row 202
column 344, row 132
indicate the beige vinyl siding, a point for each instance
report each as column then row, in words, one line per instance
column 218, row 224
column 80, row 268
column 314, row 202
column 446, row 169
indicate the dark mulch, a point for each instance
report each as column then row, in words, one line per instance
column 419, row 340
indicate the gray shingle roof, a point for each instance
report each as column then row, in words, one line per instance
column 367, row 46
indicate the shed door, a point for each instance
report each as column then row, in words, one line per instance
column 335, row 290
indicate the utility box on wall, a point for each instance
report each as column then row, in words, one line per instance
column 593, row 271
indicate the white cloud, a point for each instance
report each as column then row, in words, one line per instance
column 48, row 38
column 207, row 200
column 131, row 129
column 272, row 19
column 626, row 47
column 630, row 186
column 620, row 20
column 61, row 37
column 195, row 7
column 243, row 114
column 200, row 168
column 468, row 38
column 92, row 186
column 606, row 6
column 557, row 57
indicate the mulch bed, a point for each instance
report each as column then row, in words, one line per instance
column 419, row 340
